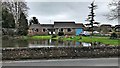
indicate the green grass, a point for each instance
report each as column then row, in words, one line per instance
column 104, row 40
column 37, row 37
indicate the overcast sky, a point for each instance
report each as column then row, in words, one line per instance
column 48, row 12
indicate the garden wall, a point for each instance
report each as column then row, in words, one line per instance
column 59, row 53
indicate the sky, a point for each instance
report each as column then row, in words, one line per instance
column 49, row 11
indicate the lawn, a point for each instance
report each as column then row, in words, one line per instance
column 104, row 40
column 37, row 37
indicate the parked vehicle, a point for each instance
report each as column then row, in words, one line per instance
column 85, row 33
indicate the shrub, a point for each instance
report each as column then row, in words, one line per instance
column 61, row 33
column 53, row 36
column 113, row 36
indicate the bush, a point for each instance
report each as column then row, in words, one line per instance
column 53, row 36
column 61, row 33
column 22, row 32
column 113, row 36
column 5, row 37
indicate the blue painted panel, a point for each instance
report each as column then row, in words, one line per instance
column 79, row 31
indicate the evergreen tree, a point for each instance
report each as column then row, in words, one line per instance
column 35, row 20
column 91, row 16
column 7, row 19
column 23, row 25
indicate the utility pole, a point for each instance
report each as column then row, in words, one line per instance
column 91, row 16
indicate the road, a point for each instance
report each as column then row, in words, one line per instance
column 65, row 62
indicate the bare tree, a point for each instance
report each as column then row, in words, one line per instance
column 16, row 7
column 114, row 8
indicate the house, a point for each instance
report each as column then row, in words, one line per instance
column 95, row 28
column 117, row 28
column 105, row 28
column 79, row 28
column 49, row 28
column 67, row 27
column 37, row 29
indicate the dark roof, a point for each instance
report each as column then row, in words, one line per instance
column 35, row 26
column 64, row 24
column 106, row 25
column 59, row 24
column 79, row 25
column 117, row 26
column 87, row 24
column 47, row 25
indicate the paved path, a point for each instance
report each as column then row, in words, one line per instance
column 65, row 62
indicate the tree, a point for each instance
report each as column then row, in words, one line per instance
column 7, row 19
column 0, row 15
column 114, row 8
column 113, row 36
column 34, row 20
column 30, row 22
column 19, row 8
column 23, row 25
column 92, row 15
column 16, row 8
column 18, row 11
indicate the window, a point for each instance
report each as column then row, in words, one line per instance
column 48, row 29
column 69, row 30
column 53, row 29
column 33, row 29
column 61, row 30
column 36, row 30
column 110, row 30
column 44, row 30
column 117, row 30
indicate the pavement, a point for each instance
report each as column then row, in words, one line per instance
column 65, row 62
